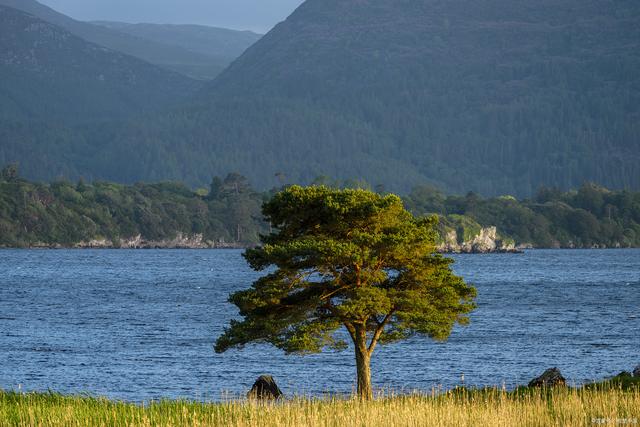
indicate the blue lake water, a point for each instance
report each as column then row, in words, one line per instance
column 140, row 325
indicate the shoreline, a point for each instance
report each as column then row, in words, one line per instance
column 58, row 247
column 623, row 380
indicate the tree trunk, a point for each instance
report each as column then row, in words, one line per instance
column 364, row 375
column 363, row 366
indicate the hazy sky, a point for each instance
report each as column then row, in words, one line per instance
column 256, row 15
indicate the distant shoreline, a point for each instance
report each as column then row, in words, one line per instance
column 56, row 247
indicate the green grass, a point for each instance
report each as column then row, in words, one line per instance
column 618, row 399
column 624, row 381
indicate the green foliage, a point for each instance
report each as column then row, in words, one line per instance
column 346, row 258
column 229, row 212
column 465, row 227
column 623, row 381
column 590, row 217
column 67, row 214
column 9, row 173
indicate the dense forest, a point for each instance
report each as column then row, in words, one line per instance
column 493, row 96
column 48, row 75
column 591, row 216
column 228, row 213
column 65, row 213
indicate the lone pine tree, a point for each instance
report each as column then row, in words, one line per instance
column 352, row 259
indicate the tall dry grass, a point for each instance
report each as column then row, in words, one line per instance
column 554, row 407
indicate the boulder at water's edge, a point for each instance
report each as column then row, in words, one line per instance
column 265, row 388
column 550, row 378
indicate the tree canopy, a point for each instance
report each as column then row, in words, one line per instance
column 352, row 259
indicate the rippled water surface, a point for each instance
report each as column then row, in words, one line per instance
column 140, row 325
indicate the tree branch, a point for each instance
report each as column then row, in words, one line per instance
column 336, row 274
column 379, row 330
column 379, row 265
column 352, row 331
column 330, row 294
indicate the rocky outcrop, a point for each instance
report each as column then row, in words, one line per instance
column 550, row 378
column 636, row 372
column 480, row 240
column 181, row 241
column 265, row 388
column 485, row 241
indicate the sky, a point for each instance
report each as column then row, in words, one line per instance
column 256, row 15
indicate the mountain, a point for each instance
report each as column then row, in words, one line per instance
column 197, row 62
column 47, row 74
column 494, row 96
column 61, row 96
column 221, row 44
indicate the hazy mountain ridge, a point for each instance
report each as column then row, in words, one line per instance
column 50, row 74
column 56, row 90
column 195, row 63
column 213, row 41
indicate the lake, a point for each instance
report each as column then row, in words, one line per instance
column 140, row 325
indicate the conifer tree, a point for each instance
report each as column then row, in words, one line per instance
column 352, row 259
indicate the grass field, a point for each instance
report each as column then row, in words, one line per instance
column 611, row 404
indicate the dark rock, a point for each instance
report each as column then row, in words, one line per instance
column 265, row 388
column 636, row 372
column 550, row 378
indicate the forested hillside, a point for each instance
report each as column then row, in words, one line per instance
column 180, row 52
column 495, row 96
column 229, row 213
column 49, row 75
column 491, row 96
column 61, row 96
